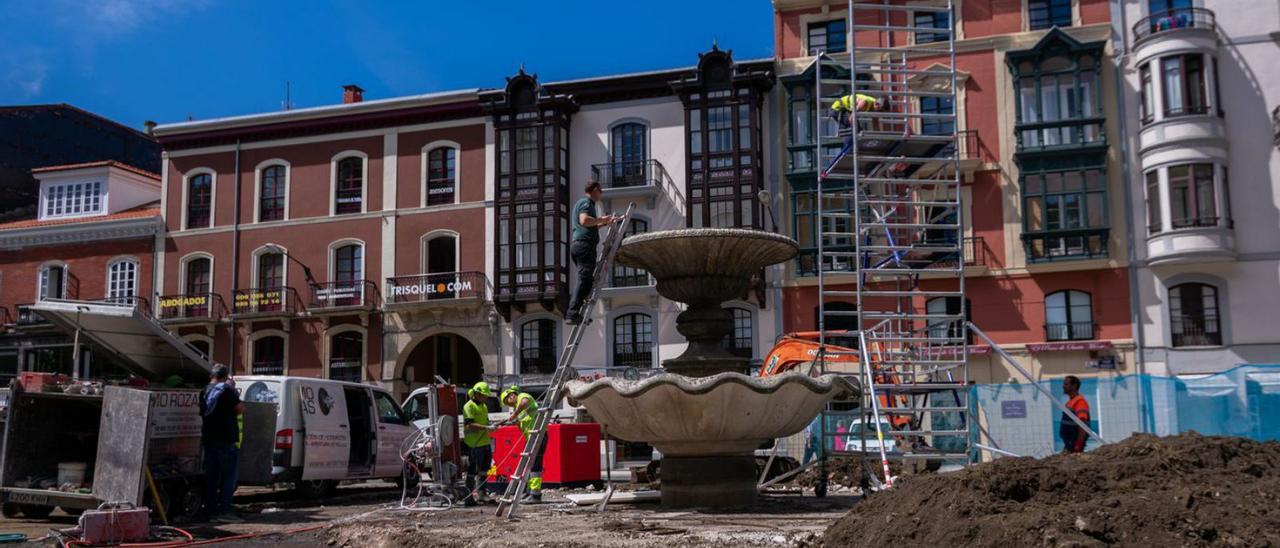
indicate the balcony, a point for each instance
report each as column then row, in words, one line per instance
column 6, row 319
column 1065, row 135
column 1073, row 331
column 974, row 248
column 270, row 302
column 344, row 297
column 437, row 290
column 640, row 178
column 1074, row 244
column 28, row 317
column 191, row 308
column 1171, row 21
column 1189, row 330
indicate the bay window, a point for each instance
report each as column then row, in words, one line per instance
column 1065, row 214
column 1184, row 85
column 1191, row 196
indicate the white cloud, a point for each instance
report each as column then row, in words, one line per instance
column 118, row 17
column 23, row 72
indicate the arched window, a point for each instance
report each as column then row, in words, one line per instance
column 1193, row 315
column 348, row 192
column 742, row 341
column 944, row 328
column 270, row 270
column 271, row 193
column 628, row 153
column 201, row 346
column 1068, row 316
column 442, row 175
column 268, row 356
column 122, row 281
column 346, row 356
column 200, row 201
column 633, row 340
column 625, row 276
column 53, row 282
column 199, row 283
column 440, row 258
column 348, row 263
column 538, row 347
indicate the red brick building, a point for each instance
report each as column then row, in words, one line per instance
column 1046, row 243
column 94, row 238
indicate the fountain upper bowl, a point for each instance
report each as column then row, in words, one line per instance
column 705, row 264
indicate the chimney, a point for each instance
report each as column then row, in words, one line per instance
column 352, row 93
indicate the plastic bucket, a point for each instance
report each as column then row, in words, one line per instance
column 71, row 472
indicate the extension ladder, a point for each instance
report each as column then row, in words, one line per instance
column 510, row 500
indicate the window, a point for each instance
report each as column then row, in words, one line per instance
column 346, row 356
column 199, row 283
column 633, row 341
column 122, row 281
column 627, row 155
column 828, row 36
column 1065, row 214
column 441, row 254
column 348, row 194
column 268, row 356
column 742, row 341
column 807, row 230
column 538, row 347
column 1191, row 197
column 1043, row 14
column 442, row 172
column 270, row 271
column 1147, row 101
column 936, row 20
column 348, row 263
column 1154, row 222
column 53, row 282
column 1193, row 315
column 625, row 276
column 1068, row 316
column 72, row 199
column 937, row 126
column 940, row 328
column 1184, row 91
column 200, row 201
column 388, row 411
column 200, row 346
column 271, row 193
column 1058, row 102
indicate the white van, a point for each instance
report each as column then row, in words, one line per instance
column 329, row 431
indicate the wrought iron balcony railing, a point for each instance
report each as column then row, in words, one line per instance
column 1174, row 19
column 265, row 301
column 638, row 173
column 1073, row 331
column 191, row 307
column 1192, row 330
column 355, row 294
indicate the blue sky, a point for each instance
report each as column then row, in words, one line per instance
column 165, row 60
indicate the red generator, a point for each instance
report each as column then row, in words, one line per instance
column 572, row 456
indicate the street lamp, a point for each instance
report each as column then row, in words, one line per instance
column 306, row 270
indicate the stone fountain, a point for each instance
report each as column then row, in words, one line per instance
column 704, row 415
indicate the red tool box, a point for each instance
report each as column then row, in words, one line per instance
column 572, row 455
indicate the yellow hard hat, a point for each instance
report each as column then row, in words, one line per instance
column 481, row 388
column 514, row 390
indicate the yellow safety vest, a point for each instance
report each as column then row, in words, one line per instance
column 847, row 102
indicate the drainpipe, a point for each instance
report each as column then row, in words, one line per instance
column 235, row 256
column 1120, row 53
column 775, row 190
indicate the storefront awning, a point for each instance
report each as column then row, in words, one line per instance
column 140, row 343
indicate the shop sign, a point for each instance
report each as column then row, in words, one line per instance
column 1068, row 346
column 257, row 299
column 175, row 302
column 428, row 288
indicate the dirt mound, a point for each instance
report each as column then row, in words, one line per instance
column 1185, row 490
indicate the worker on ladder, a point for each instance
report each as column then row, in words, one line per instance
column 841, row 113
column 586, row 236
column 475, row 428
column 524, row 408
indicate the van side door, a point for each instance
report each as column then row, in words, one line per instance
column 393, row 429
column 326, row 440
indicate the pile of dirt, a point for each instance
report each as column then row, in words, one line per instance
column 1174, row 491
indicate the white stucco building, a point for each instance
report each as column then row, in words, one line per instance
column 1199, row 87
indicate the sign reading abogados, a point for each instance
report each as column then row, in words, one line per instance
column 427, row 288
column 185, row 300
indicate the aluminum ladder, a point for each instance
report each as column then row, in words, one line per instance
column 510, row 500
column 889, row 208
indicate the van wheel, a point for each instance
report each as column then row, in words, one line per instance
column 10, row 510
column 314, row 489
column 35, row 512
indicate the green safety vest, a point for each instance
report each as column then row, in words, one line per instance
column 847, row 102
column 476, row 414
column 525, row 420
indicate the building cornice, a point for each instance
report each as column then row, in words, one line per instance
column 121, row 229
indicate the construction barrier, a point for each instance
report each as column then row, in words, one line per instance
column 1243, row 401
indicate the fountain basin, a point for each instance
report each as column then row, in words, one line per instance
column 707, row 427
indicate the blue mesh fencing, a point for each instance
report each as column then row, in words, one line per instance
column 1244, row 401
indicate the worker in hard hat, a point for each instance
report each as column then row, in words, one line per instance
column 842, row 109
column 476, row 439
column 523, row 410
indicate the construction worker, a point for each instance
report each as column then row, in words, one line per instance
column 1073, row 437
column 586, row 236
column 523, row 410
column 842, row 109
column 475, row 437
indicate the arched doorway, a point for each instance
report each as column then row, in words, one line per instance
column 447, row 355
